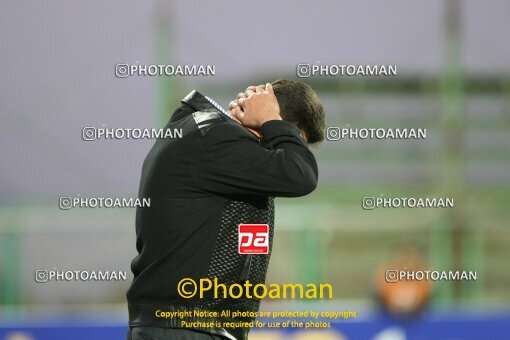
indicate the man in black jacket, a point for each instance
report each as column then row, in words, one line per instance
column 223, row 172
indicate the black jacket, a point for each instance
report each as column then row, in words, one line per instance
column 201, row 187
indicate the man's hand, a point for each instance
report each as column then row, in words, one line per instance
column 257, row 106
column 233, row 108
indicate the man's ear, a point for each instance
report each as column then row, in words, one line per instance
column 304, row 135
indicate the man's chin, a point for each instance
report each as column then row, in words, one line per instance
column 254, row 131
column 231, row 115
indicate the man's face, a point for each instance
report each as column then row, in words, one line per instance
column 234, row 109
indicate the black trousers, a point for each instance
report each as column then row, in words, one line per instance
column 155, row 333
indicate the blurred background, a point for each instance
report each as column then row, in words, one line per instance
column 453, row 59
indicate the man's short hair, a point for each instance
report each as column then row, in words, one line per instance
column 300, row 106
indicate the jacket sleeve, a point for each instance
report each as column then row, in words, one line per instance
column 231, row 161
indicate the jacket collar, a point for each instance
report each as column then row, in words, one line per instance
column 198, row 102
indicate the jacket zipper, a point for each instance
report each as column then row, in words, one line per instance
column 245, row 272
